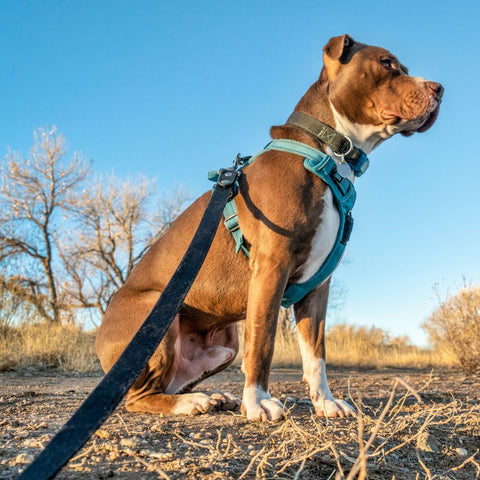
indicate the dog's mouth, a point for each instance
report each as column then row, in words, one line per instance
column 408, row 126
column 390, row 117
column 425, row 123
column 430, row 120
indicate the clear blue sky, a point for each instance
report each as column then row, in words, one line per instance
column 175, row 89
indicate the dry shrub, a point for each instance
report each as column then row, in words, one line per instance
column 455, row 328
column 66, row 347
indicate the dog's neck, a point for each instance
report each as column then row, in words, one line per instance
column 317, row 104
column 365, row 137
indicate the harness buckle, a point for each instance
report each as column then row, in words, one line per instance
column 231, row 222
column 359, row 164
column 347, row 228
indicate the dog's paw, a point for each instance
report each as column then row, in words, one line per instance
column 193, row 404
column 333, row 408
column 225, row 400
column 259, row 409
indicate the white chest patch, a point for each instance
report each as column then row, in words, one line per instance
column 324, row 238
column 365, row 137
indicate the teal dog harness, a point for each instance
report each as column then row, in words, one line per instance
column 344, row 195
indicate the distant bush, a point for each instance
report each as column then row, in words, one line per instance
column 455, row 328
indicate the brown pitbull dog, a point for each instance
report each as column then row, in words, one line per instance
column 290, row 223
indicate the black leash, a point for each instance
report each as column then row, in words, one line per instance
column 110, row 391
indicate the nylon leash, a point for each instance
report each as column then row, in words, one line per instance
column 109, row 392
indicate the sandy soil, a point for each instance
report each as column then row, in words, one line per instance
column 438, row 438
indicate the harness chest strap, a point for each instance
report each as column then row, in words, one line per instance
column 344, row 194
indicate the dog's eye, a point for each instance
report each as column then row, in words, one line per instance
column 389, row 63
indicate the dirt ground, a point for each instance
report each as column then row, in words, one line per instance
column 429, row 429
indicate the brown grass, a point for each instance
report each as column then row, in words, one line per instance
column 353, row 346
column 65, row 347
column 349, row 345
column 69, row 348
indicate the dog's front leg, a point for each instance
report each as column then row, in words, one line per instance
column 265, row 292
column 310, row 317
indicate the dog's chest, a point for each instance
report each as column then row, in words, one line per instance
column 323, row 239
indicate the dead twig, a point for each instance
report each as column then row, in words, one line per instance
column 150, row 466
column 360, row 464
column 299, row 471
column 193, row 444
column 252, row 461
column 470, row 459
column 82, row 455
column 337, row 460
column 124, row 424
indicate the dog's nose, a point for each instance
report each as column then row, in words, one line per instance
column 436, row 88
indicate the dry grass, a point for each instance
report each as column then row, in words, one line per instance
column 368, row 447
column 66, row 347
column 70, row 348
column 401, row 438
column 409, row 428
column 352, row 346
column 455, row 328
column 349, row 345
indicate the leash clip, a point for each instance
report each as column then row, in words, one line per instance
column 227, row 177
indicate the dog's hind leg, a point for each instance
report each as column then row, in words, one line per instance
column 310, row 317
column 184, row 357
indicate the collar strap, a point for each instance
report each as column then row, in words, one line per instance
column 340, row 144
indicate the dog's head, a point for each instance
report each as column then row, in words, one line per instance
column 368, row 88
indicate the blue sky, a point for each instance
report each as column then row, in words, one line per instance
column 175, row 89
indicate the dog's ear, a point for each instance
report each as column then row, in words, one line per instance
column 404, row 69
column 337, row 46
column 337, row 50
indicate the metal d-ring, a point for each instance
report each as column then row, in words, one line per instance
column 350, row 148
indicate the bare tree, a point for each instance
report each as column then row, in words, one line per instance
column 115, row 224
column 66, row 245
column 33, row 196
column 11, row 307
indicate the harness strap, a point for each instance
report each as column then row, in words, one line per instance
column 325, row 167
column 343, row 191
column 344, row 196
column 230, row 213
column 231, row 222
